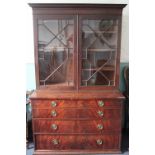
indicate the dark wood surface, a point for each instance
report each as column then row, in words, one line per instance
column 89, row 103
column 47, row 94
column 77, row 126
column 79, row 122
column 79, row 152
column 75, row 5
column 69, row 113
column 77, row 117
column 77, row 142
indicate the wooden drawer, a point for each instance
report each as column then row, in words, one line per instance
column 70, row 113
column 75, row 103
column 93, row 126
column 59, row 142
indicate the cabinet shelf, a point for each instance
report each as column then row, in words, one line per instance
column 109, row 68
column 98, row 50
column 101, row 32
column 58, row 84
column 55, row 48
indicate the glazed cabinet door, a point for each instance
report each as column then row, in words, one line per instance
column 56, row 51
column 99, row 51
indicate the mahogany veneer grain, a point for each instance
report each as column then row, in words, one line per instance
column 75, row 113
column 77, row 142
column 77, row 126
column 75, row 103
column 47, row 94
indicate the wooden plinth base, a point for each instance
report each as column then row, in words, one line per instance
column 67, row 152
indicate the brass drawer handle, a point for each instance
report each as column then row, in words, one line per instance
column 100, row 113
column 99, row 142
column 53, row 113
column 100, row 126
column 55, row 141
column 100, row 103
column 54, row 126
column 53, row 104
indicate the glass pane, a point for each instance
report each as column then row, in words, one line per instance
column 55, row 52
column 99, row 44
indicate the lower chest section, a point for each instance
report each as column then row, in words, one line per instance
column 61, row 125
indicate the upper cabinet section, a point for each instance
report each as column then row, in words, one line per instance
column 77, row 46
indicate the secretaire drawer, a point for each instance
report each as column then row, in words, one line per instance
column 94, row 126
column 59, row 142
column 75, row 103
column 70, row 113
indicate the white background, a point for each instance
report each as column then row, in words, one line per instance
column 14, row 45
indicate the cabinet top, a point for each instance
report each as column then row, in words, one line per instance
column 46, row 94
column 75, row 5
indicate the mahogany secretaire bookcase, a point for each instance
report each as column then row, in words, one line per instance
column 77, row 106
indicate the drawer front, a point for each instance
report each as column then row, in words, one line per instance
column 70, row 113
column 98, row 142
column 93, row 126
column 75, row 103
